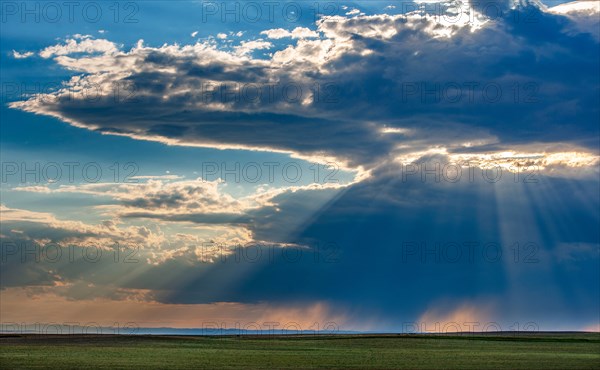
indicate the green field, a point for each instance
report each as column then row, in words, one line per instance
column 490, row 351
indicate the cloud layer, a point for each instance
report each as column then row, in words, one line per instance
column 389, row 96
column 452, row 80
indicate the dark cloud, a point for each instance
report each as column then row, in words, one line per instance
column 519, row 78
column 386, row 244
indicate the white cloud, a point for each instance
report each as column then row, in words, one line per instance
column 181, row 217
column 277, row 33
column 585, row 14
column 23, row 55
column 67, row 232
column 588, row 7
column 572, row 163
column 296, row 33
column 246, row 47
column 84, row 45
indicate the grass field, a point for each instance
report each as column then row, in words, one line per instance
column 490, row 351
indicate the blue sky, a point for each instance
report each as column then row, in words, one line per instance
column 378, row 165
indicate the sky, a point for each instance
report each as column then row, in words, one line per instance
column 378, row 166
